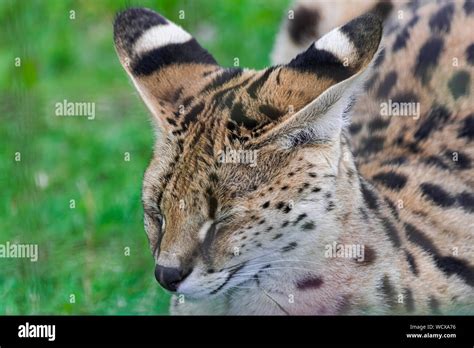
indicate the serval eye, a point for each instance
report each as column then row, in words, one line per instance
column 160, row 221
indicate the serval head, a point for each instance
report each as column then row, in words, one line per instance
column 240, row 155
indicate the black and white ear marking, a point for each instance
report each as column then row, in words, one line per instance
column 131, row 24
column 340, row 57
column 165, row 63
column 344, row 51
column 146, row 42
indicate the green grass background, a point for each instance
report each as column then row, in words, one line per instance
column 82, row 250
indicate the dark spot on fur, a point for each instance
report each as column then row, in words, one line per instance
column 309, row 283
column 386, row 85
column 289, row 247
column 270, row 111
column 395, row 161
column 369, row 197
column 388, row 291
column 411, row 262
column 238, row 115
column 467, row 128
column 331, row 206
column 415, row 236
column 177, row 95
column 171, row 121
column 452, row 265
column 448, row 264
column 299, row 218
column 404, row 35
column 285, row 223
column 378, row 123
column 470, row 53
column 278, row 77
column 405, row 97
column 437, row 195
column 441, row 20
column 409, row 301
column 435, row 161
column 212, row 207
column 392, row 207
column 466, row 200
column 437, row 116
column 371, row 145
column 459, row 84
column 308, row 226
column 266, row 204
column 279, row 235
column 213, row 177
column 254, row 88
column 391, row 232
column 187, row 101
column 355, row 128
column 304, row 25
column 316, row 189
column 428, row 58
column 192, row 115
column 460, row 160
column 369, row 256
column 392, row 180
column 227, row 75
column 380, row 58
column 469, row 7
column 232, row 127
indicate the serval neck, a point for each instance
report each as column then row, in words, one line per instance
column 319, row 276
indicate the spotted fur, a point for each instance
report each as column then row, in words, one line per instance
column 252, row 238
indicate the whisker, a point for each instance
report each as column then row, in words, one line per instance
column 248, row 260
column 286, row 260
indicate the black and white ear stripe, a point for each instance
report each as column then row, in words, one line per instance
column 146, row 42
column 343, row 51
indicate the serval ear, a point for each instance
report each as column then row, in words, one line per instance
column 166, row 64
column 316, row 88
